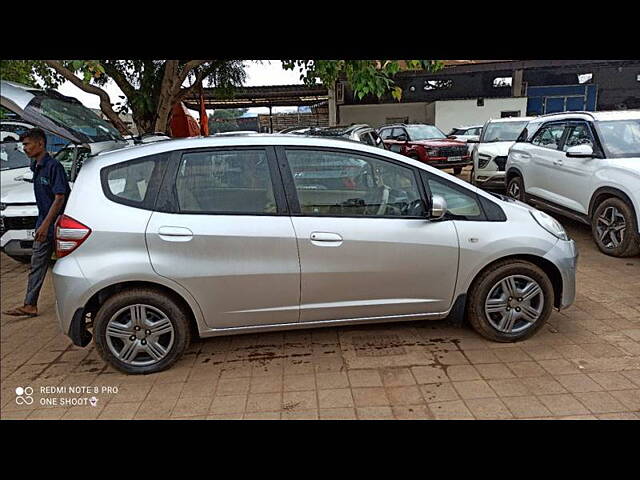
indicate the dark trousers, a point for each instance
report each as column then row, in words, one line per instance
column 39, row 263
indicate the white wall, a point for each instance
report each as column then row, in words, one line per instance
column 456, row 113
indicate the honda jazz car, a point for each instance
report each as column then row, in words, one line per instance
column 253, row 233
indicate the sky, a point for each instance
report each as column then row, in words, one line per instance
column 269, row 72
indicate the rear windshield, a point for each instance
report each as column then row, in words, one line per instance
column 621, row 138
column 76, row 118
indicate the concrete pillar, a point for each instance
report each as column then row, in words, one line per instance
column 516, row 83
column 333, row 108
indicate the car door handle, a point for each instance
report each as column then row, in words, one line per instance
column 557, row 162
column 325, row 237
column 175, row 234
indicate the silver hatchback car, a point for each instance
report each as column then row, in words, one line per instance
column 252, row 233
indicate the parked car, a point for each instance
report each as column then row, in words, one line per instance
column 358, row 133
column 586, row 166
column 490, row 153
column 223, row 235
column 467, row 135
column 427, row 144
column 86, row 134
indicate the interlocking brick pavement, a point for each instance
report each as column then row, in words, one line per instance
column 584, row 364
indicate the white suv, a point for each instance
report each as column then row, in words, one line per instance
column 490, row 152
column 585, row 165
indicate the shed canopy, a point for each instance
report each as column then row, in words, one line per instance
column 268, row 96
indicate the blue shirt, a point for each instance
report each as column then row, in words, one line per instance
column 49, row 180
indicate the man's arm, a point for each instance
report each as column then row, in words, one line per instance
column 41, row 233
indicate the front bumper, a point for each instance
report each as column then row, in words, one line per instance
column 489, row 179
column 564, row 255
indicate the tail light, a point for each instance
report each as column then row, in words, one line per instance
column 69, row 235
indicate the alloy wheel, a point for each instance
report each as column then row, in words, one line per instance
column 514, row 304
column 139, row 335
column 610, row 227
column 514, row 190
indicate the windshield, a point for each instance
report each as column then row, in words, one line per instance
column 424, row 132
column 503, row 131
column 77, row 118
column 12, row 156
column 621, row 138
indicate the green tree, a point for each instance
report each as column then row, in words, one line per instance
column 224, row 120
column 364, row 76
column 151, row 87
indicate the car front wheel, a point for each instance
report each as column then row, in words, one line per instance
column 510, row 301
column 141, row 331
column 614, row 228
column 515, row 188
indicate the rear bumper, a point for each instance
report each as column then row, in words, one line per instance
column 70, row 286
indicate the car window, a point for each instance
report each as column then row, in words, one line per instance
column 235, row 181
column 397, row 132
column 12, row 155
column 386, row 133
column 549, row 136
column 579, row 135
column 349, row 184
column 129, row 181
column 376, row 139
column 459, row 202
column 366, row 138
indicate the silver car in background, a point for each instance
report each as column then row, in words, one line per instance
column 253, row 233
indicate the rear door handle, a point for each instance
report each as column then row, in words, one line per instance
column 557, row 162
column 325, row 237
column 175, row 234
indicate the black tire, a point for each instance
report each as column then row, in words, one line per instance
column 515, row 188
column 457, row 170
column 482, row 287
column 630, row 244
column 471, row 174
column 160, row 301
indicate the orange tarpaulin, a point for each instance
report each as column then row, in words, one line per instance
column 182, row 124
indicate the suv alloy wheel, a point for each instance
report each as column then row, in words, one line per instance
column 515, row 188
column 613, row 226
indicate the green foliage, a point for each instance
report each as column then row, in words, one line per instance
column 365, row 77
column 224, row 120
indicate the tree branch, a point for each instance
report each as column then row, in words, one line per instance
column 119, row 78
column 105, row 101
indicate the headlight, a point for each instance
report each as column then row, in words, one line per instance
column 483, row 160
column 432, row 151
column 550, row 224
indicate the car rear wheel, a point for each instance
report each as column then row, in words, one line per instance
column 510, row 301
column 614, row 228
column 457, row 170
column 141, row 331
column 515, row 188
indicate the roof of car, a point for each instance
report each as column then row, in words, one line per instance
column 598, row 116
column 511, row 119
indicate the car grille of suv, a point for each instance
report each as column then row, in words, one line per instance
column 452, row 151
column 17, row 223
column 500, row 162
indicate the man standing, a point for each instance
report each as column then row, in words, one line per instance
column 51, row 190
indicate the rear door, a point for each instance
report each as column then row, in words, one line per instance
column 223, row 232
column 366, row 247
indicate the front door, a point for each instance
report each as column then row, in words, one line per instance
column 225, row 236
column 545, row 157
column 366, row 248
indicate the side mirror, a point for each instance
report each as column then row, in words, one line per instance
column 402, row 138
column 580, row 151
column 438, row 207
